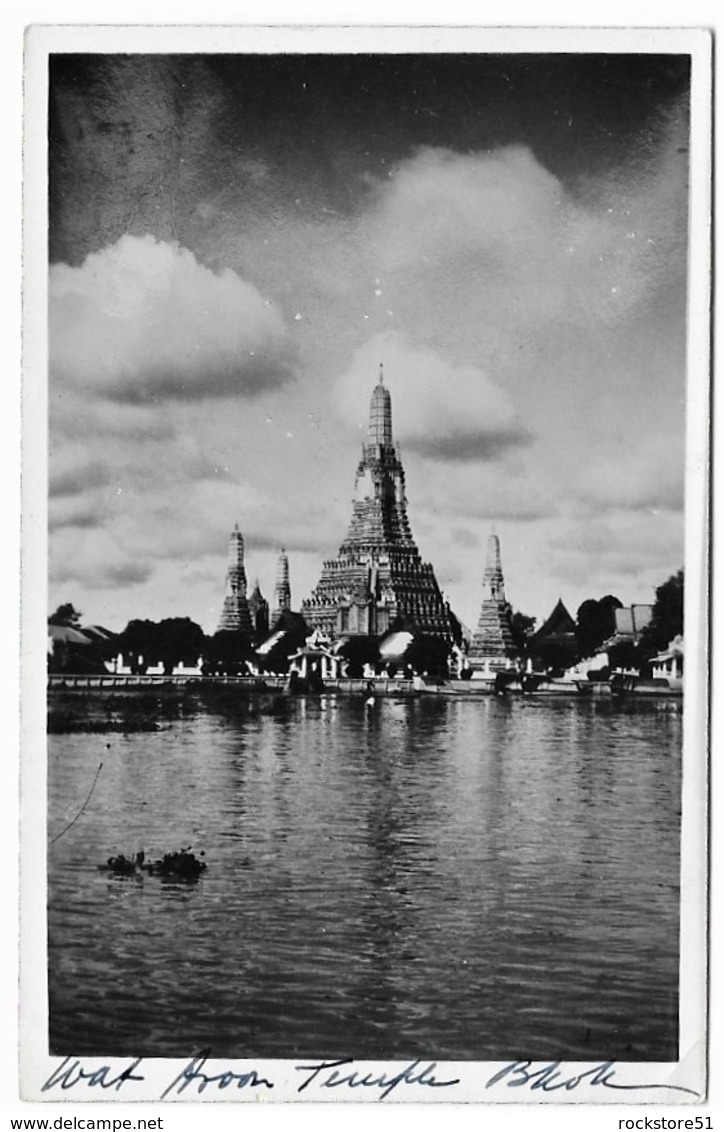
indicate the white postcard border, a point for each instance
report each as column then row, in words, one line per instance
column 37, row 1067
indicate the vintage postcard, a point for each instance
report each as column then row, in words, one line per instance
column 366, row 455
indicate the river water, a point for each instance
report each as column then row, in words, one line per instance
column 451, row 879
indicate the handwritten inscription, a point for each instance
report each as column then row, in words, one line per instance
column 548, row 1077
column 71, row 1073
column 552, row 1077
column 194, row 1074
column 326, row 1075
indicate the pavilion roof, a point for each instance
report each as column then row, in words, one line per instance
column 558, row 624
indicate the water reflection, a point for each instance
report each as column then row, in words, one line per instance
column 425, row 877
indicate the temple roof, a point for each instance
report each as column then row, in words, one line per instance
column 558, row 624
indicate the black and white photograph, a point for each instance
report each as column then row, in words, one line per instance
column 370, row 436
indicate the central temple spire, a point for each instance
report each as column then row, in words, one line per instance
column 380, row 430
column 378, row 578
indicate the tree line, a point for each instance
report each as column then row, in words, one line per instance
column 596, row 623
column 179, row 640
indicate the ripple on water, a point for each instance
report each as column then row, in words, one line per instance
column 448, row 879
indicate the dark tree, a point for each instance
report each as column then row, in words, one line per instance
column 139, row 645
column 667, row 619
column 176, row 640
column 522, row 628
column 180, row 641
column 429, row 656
column 554, row 655
column 293, row 631
column 595, row 623
column 67, row 615
column 359, row 651
column 227, row 653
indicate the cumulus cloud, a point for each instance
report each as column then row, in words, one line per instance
column 442, row 410
column 143, row 320
column 499, row 227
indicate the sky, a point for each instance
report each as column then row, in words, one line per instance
column 236, row 242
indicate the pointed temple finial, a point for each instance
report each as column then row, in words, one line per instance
column 380, row 430
column 282, row 589
column 235, row 612
column 382, row 374
column 492, row 641
column 492, row 563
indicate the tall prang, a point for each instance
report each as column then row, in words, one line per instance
column 259, row 613
column 493, row 640
column 235, row 616
column 378, row 577
column 282, row 589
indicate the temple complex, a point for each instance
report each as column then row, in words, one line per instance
column 282, row 589
column 492, row 642
column 378, row 578
column 235, row 615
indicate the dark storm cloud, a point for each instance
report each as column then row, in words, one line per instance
column 136, row 142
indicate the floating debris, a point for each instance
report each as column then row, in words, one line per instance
column 123, row 866
column 183, row 865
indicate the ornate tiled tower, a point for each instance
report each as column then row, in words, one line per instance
column 378, row 576
column 282, row 589
column 235, row 613
column 259, row 613
column 492, row 640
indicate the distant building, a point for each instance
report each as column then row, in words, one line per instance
column 630, row 623
column 235, row 616
column 669, row 665
column 316, row 659
column 282, row 589
column 84, row 649
column 259, row 613
column 492, row 643
column 378, row 579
